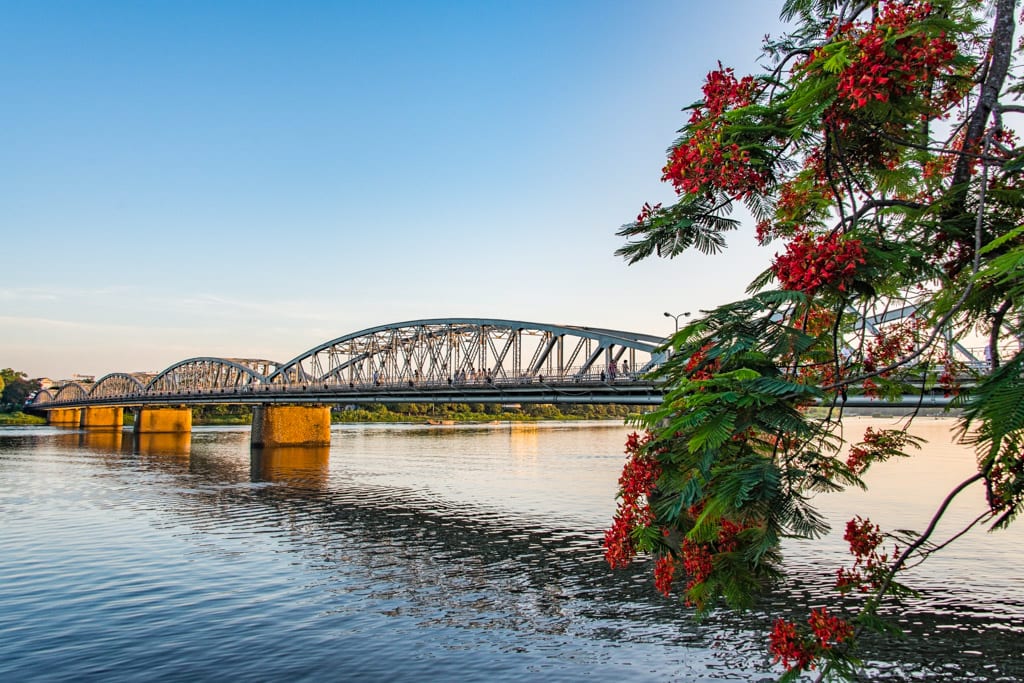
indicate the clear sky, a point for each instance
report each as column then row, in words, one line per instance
column 249, row 179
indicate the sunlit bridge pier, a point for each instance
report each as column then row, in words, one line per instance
column 456, row 360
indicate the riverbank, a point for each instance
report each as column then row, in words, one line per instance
column 441, row 413
column 20, row 418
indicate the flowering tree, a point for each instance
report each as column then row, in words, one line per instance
column 875, row 150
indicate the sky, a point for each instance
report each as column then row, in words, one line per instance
column 251, row 179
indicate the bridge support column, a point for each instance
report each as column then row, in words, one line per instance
column 277, row 425
column 64, row 417
column 163, row 420
column 103, row 418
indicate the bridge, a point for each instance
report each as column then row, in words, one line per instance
column 454, row 360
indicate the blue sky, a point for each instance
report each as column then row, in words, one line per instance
column 250, row 179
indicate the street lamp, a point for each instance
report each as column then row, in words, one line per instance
column 677, row 317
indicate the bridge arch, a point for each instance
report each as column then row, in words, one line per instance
column 42, row 397
column 449, row 350
column 207, row 374
column 117, row 384
column 72, row 391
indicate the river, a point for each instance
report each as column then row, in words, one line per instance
column 415, row 553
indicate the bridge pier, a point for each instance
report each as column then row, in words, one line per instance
column 290, row 425
column 163, row 420
column 103, row 417
column 64, row 417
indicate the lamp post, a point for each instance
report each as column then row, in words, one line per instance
column 677, row 317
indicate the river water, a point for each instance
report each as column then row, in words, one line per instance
column 416, row 553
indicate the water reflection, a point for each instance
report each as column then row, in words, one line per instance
column 524, row 440
column 102, row 440
column 176, row 444
column 301, row 466
column 455, row 557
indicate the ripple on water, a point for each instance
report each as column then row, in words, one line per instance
column 403, row 560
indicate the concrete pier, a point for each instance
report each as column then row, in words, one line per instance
column 163, row 420
column 64, row 417
column 103, row 417
column 290, row 425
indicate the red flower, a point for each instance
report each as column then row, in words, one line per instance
column 863, row 536
column 787, row 646
column 702, row 162
column 811, row 263
column 664, row 572
column 636, row 483
column 829, row 629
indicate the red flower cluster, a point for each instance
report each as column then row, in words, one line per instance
column 891, row 344
column 863, row 536
column 646, row 211
column 789, row 647
column 812, row 263
column 869, row 564
column 829, row 629
column 1003, row 488
column 664, row 572
column 619, row 549
column 796, row 650
column 698, row 367
column 723, row 92
column 702, row 163
column 698, row 558
column 640, row 471
column 884, row 69
column 696, row 561
column 875, row 447
column 949, row 378
column 639, row 474
column 816, row 322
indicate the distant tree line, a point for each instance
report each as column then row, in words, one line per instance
column 414, row 412
column 411, row 412
column 15, row 389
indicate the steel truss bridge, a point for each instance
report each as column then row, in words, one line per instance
column 453, row 360
column 456, row 360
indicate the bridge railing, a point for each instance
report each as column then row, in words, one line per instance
column 455, row 383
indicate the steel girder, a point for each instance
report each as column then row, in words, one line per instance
column 72, row 391
column 117, row 384
column 207, row 374
column 457, row 355
column 469, row 350
column 42, row 397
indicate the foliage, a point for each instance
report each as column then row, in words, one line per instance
column 15, row 388
column 876, row 150
column 19, row 418
column 221, row 414
column 479, row 412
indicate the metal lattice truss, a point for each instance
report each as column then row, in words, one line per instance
column 438, row 360
column 875, row 323
column 209, row 374
column 42, row 397
column 118, row 384
column 465, row 350
column 72, row 391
